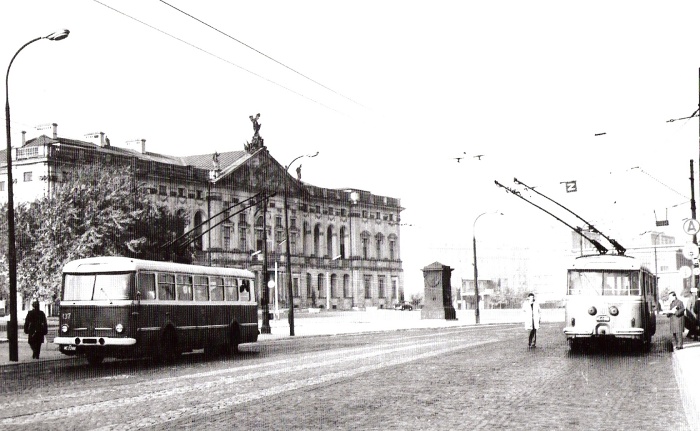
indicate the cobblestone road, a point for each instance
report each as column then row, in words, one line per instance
column 456, row 378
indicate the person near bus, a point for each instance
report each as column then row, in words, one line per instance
column 675, row 314
column 531, row 316
column 36, row 326
column 691, row 315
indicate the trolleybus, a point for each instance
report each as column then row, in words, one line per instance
column 124, row 307
column 610, row 296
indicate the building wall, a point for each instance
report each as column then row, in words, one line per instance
column 335, row 232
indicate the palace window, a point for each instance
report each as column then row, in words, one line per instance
column 368, row 286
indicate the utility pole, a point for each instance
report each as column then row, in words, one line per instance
column 694, row 282
column 265, row 328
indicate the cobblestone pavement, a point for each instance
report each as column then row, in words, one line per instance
column 437, row 378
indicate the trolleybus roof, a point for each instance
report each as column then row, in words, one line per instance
column 119, row 264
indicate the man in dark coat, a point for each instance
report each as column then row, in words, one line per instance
column 36, row 326
column 675, row 315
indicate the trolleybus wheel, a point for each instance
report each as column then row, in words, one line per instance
column 235, row 338
column 167, row 351
column 94, row 359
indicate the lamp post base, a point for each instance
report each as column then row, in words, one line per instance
column 265, row 329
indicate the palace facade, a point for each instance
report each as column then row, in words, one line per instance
column 344, row 243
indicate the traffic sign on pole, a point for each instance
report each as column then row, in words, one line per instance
column 690, row 251
column 691, row 226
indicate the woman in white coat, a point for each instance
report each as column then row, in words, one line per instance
column 531, row 319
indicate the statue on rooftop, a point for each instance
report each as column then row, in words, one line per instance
column 257, row 141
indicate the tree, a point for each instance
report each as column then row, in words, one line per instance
column 98, row 211
column 416, row 299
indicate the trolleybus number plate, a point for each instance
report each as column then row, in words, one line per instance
column 69, row 347
column 603, row 318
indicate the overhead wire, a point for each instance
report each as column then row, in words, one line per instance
column 259, row 52
column 217, row 56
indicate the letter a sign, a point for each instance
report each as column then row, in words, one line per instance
column 691, row 226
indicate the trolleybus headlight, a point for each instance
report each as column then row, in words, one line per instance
column 64, row 328
column 119, row 328
column 633, row 322
column 592, row 311
column 573, row 321
column 613, row 310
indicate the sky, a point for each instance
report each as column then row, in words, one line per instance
column 391, row 94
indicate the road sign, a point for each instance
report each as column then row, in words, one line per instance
column 691, row 226
column 690, row 251
column 686, row 271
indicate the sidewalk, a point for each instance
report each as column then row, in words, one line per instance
column 687, row 371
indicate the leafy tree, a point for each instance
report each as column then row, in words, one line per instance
column 98, row 211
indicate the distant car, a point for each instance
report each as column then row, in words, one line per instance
column 403, row 306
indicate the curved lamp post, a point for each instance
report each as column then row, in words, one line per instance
column 11, row 251
column 288, row 259
column 476, row 271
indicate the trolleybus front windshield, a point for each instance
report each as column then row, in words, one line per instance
column 596, row 283
column 97, row 287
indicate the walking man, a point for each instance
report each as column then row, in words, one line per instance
column 531, row 314
column 675, row 316
column 36, row 326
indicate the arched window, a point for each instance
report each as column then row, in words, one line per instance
column 329, row 242
column 380, row 244
column 342, row 239
column 305, row 239
column 317, row 240
column 309, row 280
column 334, row 286
column 346, row 286
column 321, row 288
column 198, row 245
column 365, row 245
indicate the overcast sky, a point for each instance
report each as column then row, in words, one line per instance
column 391, row 93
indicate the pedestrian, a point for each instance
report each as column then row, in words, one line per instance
column 691, row 315
column 531, row 314
column 675, row 316
column 36, row 326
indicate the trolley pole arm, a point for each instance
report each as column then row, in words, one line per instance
column 618, row 247
column 600, row 247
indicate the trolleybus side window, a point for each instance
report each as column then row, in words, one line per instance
column 166, row 287
column 635, row 284
column 216, row 288
column 245, row 290
column 230, row 289
column 147, row 285
column 201, row 288
column 184, row 287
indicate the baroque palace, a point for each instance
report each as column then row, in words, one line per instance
column 344, row 243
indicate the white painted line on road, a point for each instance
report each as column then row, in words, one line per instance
column 208, row 387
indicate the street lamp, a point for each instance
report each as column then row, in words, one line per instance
column 354, row 198
column 11, row 251
column 288, row 259
column 476, row 271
